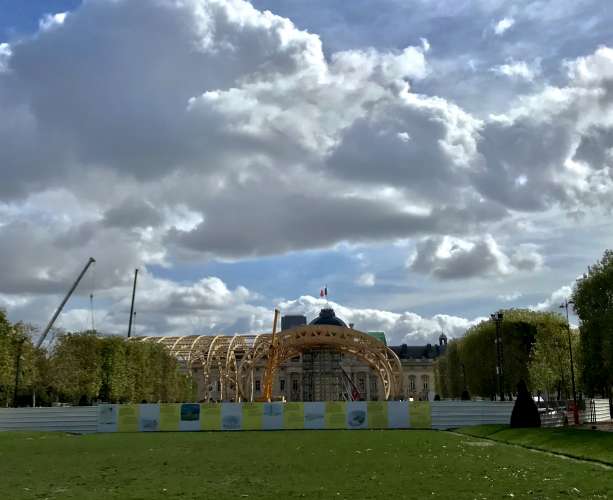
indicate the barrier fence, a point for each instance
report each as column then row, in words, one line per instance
column 271, row 416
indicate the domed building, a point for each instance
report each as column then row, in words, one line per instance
column 328, row 317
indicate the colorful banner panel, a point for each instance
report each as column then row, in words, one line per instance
column 356, row 412
column 272, row 416
column 232, row 416
column 189, row 417
column 149, row 418
column 107, row 418
column 264, row 416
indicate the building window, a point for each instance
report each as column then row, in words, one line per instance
column 219, row 386
column 412, row 382
column 257, row 385
column 374, row 392
column 361, row 384
column 295, row 384
column 282, row 384
column 425, row 379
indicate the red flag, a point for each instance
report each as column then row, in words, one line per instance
column 321, row 292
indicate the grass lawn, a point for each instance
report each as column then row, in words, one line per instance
column 278, row 465
column 580, row 443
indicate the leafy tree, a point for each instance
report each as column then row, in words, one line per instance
column 17, row 350
column 474, row 355
column 550, row 371
column 593, row 298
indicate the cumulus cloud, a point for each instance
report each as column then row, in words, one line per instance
column 208, row 129
column 407, row 327
column 455, row 258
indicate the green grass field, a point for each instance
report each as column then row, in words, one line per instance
column 280, row 465
column 576, row 443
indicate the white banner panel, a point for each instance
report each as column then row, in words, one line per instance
column 315, row 415
column 398, row 414
column 107, row 418
column 149, row 418
column 357, row 415
column 272, row 416
column 189, row 417
column 231, row 416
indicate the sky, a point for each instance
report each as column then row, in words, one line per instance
column 429, row 162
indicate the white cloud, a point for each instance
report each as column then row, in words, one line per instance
column 366, row 280
column 552, row 303
column 50, row 21
column 503, row 25
column 518, row 70
column 406, row 327
column 5, row 55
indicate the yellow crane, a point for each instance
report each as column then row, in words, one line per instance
column 271, row 366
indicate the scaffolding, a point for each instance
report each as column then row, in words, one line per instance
column 322, row 375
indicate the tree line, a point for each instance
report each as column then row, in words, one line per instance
column 536, row 347
column 84, row 367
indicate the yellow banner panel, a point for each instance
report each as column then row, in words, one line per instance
column 169, row 417
column 127, row 418
column 377, row 414
column 420, row 414
column 210, row 417
column 252, row 416
column 293, row 416
column 336, row 415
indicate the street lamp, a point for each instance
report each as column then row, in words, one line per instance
column 572, row 365
column 18, row 351
column 497, row 319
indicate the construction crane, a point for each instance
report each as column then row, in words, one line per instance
column 59, row 309
column 271, row 366
column 351, row 390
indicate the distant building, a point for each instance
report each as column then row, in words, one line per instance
column 292, row 320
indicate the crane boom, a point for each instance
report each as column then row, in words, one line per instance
column 269, row 373
column 59, row 309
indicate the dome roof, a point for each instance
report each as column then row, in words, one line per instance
column 327, row 317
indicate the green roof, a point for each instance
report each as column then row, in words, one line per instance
column 380, row 336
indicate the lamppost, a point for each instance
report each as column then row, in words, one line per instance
column 572, row 364
column 18, row 351
column 497, row 319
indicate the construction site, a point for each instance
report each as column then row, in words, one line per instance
column 324, row 360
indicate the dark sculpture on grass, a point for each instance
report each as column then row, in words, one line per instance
column 525, row 413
